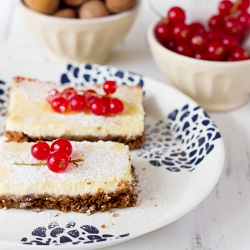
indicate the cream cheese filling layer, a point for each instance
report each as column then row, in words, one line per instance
column 31, row 114
column 106, row 164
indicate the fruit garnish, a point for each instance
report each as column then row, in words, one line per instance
column 81, row 100
column 57, row 157
column 115, row 106
column 62, row 144
column 77, row 102
column 40, row 150
column 68, row 93
column 58, row 161
column 59, row 104
column 109, row 87
column 99, row 106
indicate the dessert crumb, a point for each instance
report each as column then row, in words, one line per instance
column 56, row 215
column 155, row 205
column 144, row 169
column 138, row 203
column 114, row 214
column 150, row 198
column 37, row 210
column 103, row 226
column 178, row 153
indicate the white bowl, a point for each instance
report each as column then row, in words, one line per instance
column 216, row 86
column 81, row 40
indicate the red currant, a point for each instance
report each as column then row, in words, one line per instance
column 170, row 45
column 50, row 98
column 176, row 15
column 243, row 7
column 99, row 106
column 90, row 95
column 115, row 106
column 62, row 144
column 68, row 93
column 244, row 19
column 109, row 87
column 59, row 104
column 197, row 28
column 216, row 51
column 225, row 7
column 200, row 55
column 183, row 49
column 198, row 42
column 53, row 92
column 58, row 161
column 239, row 54
column 162, row 32
column 90, row 91
column 181, row 32
column 77, row 102
column 215, row 22
column 40, row 150
column 230, row 42
column 234, row 27
column 214, row 35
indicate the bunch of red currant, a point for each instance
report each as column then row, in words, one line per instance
column 97, row 104
column 56, row 156
column 221, row 42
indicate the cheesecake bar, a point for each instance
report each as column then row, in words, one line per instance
column 105, row 179
column 31, row 118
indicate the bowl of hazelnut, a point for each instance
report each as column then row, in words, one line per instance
column 208, row 59
column 79, row 30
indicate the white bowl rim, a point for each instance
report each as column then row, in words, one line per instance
column 109, row 18
column 151, row 36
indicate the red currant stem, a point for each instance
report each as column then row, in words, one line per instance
column 235, row 7
column 156, row 12
column 79, row 159
column 31, row 164
column 43, row 163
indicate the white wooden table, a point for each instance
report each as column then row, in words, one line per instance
column 222, row 220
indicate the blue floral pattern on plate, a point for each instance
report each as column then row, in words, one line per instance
column 53, row 234
column 176, row 143
column 87, row 74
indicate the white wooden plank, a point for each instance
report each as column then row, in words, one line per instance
column 6, row 8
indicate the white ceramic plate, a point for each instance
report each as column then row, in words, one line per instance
column 178, row 166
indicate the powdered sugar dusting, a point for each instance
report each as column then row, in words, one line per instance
column 104, row 162
column 31, row 114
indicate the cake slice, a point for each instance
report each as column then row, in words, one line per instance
column 105, row 179
column 31, row 118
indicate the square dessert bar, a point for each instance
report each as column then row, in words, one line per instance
column 31, row 118
column 105, row 179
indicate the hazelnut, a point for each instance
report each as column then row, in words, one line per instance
column 43, row 6
column 66, row 13
column 92, row 9
column 116, row 6
column 74, row 3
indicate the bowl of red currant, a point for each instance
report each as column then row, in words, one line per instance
column 208, row 60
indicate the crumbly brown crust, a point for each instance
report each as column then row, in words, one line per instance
column 123, row 197
column 21, row 137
